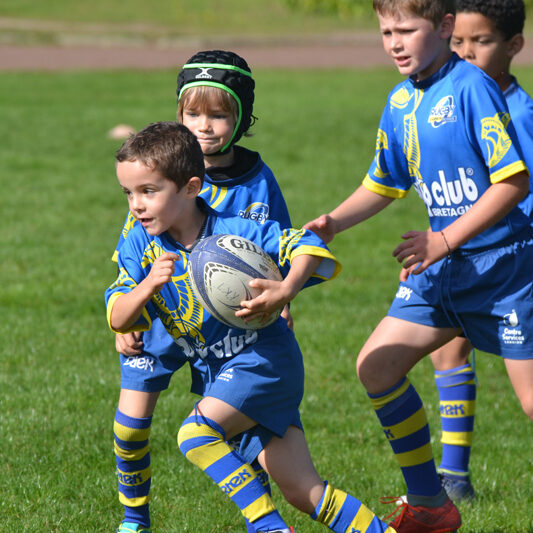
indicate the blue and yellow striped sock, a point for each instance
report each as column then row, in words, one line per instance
column 457, row 394
column 265, row 481
column 342, row 513
column 202, row 441
column 404, row 422
column 132, row 452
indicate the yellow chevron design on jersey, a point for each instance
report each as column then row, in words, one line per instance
column 287, row 241
column 494, row 131
column 400, row 98
column 411, row 144
column 124, row 279
column 130, row 221
column 382, row 143
column 217, row 195
column 151, row 253
column 186, row 319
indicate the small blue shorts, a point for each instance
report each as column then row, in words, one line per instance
column 486, row 292
column 151, row 371
column 265, row 381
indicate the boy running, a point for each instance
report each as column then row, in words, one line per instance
column 255, row 378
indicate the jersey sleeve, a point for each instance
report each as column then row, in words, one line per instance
column 284, row 244
column 487, row 122
column 388, row 174
column 130, row 274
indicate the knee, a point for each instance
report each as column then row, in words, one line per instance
column 370, row 374
column 197, row 437
column 527, row 404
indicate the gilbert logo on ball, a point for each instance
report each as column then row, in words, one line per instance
column 220, row 267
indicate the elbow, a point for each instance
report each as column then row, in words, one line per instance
column 523, row 185
column 116, row 326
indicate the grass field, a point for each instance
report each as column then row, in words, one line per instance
column 59, row 375
column 173, row 19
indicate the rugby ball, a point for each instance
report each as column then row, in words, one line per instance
column 220, row 267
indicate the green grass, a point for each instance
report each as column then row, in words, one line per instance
column 62, row 211
column 178, row 17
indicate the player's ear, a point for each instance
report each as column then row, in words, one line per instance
column 194, row 186
column 446, row 26
column 514, row 45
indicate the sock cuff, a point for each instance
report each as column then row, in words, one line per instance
column 132, row 422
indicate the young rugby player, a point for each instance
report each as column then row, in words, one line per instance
column 254, row 383
column 446, row 132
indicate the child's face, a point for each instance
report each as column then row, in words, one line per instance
column 154, row 200
column 476, row 39
column 212, row 126
column 416, row 46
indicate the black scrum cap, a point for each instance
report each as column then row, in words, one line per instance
column 227, row 71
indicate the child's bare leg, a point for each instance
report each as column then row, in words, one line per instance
column 138, row 404
column 289, row 463
column 393, row 348
column 452, row 355
column 520, row 373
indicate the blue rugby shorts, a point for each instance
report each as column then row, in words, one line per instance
column 151, row 371
column 486, row 292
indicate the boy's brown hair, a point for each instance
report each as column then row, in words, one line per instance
column 168, row 147
column 432, row 10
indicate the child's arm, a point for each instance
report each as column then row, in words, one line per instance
column 127, row 309
column 359, row 206
column 427, row 247
column 276, row 294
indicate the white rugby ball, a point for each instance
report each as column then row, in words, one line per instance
column 220, row 267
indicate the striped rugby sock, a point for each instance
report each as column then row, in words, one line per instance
column 132, row 452
column 457, row 395
column 343, row 513
column 202, row 441
column 404, row 422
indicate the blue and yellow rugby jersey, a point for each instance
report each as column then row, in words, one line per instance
column 193, row 329
column 521, row 108
column 254, row 195
column 450, row 137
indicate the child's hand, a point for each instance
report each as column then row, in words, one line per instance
column 406, row 272
column 423, row 247
column 162, row 271
column 274, row 295
column 129, row 343
column 286, row 314
column 323, row 226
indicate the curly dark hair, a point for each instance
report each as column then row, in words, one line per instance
column 508, row 15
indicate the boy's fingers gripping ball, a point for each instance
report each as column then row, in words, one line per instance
column 220, row 268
